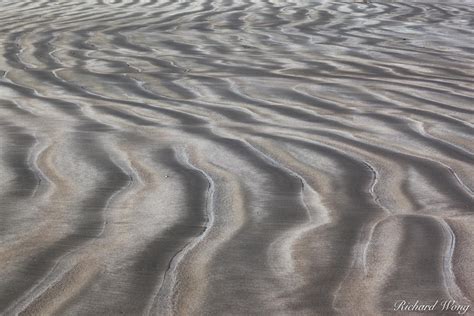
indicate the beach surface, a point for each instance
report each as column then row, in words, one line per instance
column 236, row 157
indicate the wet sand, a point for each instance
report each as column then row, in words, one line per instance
column 241, row 157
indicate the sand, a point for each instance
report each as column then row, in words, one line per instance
column 241, row 157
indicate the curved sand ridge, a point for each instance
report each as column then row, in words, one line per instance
column 235, row 157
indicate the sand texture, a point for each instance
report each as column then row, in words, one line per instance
column 235, row 157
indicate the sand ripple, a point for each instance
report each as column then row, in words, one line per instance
column 235, row 157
